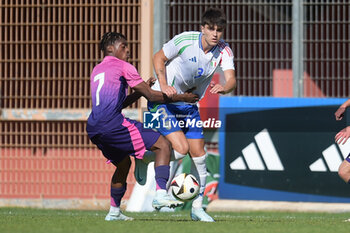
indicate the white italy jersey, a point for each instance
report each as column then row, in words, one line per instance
column 189, row 66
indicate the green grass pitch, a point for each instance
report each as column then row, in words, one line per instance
column 26, row 220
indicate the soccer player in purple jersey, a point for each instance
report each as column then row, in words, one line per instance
column 341, row 137
column 119, row 137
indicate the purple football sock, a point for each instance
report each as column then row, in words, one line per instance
column 162, row 176
column 348, row 158
column 116, row 195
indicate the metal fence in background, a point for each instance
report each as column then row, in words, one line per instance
column 48, row 49
column 47, row 52
column 327, row 45
column 260, row 34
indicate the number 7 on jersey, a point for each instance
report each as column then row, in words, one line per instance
column 101, row 80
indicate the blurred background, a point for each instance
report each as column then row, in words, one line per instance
column 282, row 48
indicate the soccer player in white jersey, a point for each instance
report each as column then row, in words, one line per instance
column 188, row 62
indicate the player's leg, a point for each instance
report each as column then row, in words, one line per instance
column 198, row 155
column 344, row 170
column 178, row 143
column 162, row 149
column 147, row 139
column 118, row 181
column 118, row 189
column 172, row 132
column 170, row 128
column 179, row 146
column 199, row 169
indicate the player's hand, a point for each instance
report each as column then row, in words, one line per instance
column 342, row 136
column 216, row 88
column 190, row 97
column 150, row 82
column 168, row 90
column 339, row 113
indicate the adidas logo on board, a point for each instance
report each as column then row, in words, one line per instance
column 331, row 158
column 253, row 160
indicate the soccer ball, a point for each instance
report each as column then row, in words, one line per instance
column 184, row 187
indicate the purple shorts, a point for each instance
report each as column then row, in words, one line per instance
column 129, row 139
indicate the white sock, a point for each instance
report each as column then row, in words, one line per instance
column 176, row 155
column 161, row 192
column 200, row 171
column 114, row 209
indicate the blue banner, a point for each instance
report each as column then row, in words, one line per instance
column 281, row 149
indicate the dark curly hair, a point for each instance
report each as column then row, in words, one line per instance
column 110, row 38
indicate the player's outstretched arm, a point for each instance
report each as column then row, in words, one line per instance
column 229, row 85
column 130, row 99
column 341, row 110
column 159, row 97
column 343, row 135
column 159, row 60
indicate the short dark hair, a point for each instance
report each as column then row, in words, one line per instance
column 110, row 38
column 214, row 16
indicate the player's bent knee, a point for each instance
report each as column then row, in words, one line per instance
column 344, row 175
column 182, row 151
column 182, row 148
column 344, row 171
column 123, row 166
column 199, row 153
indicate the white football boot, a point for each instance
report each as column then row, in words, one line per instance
column 198, row 214
column 163, row 199
column 117, row 216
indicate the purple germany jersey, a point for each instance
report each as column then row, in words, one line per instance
column 109, row 83
column 115, row 135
